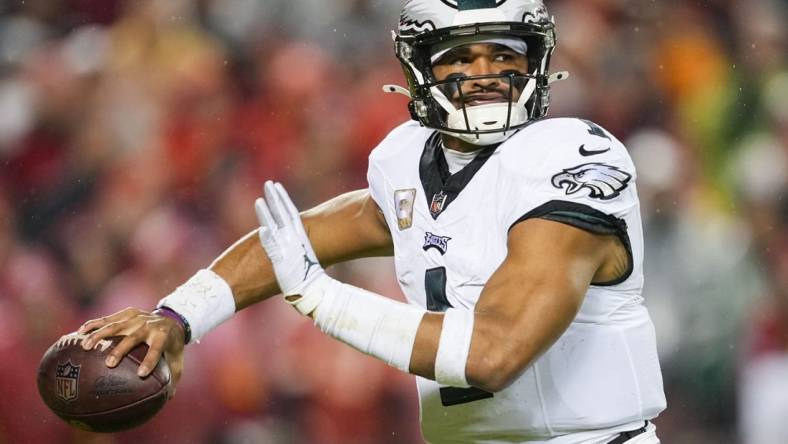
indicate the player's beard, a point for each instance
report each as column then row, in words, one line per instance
column 505, row 89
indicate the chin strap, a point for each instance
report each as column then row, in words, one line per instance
column 528, row 91
column 476, row 117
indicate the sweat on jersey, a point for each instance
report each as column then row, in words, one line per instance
column 450, row 233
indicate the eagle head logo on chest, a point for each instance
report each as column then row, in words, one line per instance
column 440, row 243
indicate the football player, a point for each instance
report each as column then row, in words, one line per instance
column 517, row 242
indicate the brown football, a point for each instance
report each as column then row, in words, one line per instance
column 78, row 387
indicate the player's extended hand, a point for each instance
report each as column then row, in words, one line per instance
column 287, row 245
column 162, row 334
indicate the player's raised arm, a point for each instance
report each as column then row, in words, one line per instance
column 346, row 227
column 525, row 306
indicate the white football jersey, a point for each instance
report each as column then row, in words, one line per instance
column 450, row 234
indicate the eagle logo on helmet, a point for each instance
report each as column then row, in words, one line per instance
column 408, row 25
column 538, row 15
column 603, row 182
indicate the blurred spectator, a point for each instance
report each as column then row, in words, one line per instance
column 134, row 137
column 764, row 400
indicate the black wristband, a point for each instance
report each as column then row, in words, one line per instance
column 177, row 317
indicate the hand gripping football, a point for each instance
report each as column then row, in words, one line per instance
column 78, row 387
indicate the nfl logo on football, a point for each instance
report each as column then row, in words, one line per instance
column 67, row 380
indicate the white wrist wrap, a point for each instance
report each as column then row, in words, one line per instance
column 308, row 301
column 455, row 343
column 205, row 301
column 368, row 322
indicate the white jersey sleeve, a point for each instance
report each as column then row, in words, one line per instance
column 389, row 148
column 574, row 172
column 570, row 163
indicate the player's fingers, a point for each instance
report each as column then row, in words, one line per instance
column 295, row 216
column 173, row 353
column 264, row 214
column 277, row 209
column 94, row 324
column 265, row 233
column 174, row 356
column 155, row 350
column 124, row 347
column 111, row 329
column 172, row 391
column 292, row 211
column 176, row 371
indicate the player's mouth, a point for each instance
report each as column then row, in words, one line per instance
column 484, row 98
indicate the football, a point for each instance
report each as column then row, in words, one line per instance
column 79, row 388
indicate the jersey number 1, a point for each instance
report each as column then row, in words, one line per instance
column 435, row 288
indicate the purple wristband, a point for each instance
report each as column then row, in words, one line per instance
column 182, row 322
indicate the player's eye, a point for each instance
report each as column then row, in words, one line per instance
column 503, row 57
column 458, row 60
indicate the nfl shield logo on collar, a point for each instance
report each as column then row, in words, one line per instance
column 438, row 200
column 403, row 205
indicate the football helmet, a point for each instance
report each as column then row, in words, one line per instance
column 427, row 27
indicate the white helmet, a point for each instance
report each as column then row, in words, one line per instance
column 427, row 25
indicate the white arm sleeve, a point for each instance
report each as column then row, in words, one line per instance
column 454, row 346
column 368, row 322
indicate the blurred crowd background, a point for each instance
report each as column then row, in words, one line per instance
column 135, row 135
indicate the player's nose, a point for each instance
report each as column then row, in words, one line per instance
column 482, row 66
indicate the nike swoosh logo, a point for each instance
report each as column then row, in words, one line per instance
column 586, row 153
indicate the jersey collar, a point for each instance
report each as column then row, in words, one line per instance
column 440, row 186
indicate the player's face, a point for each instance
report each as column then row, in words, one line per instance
column 479, row 59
